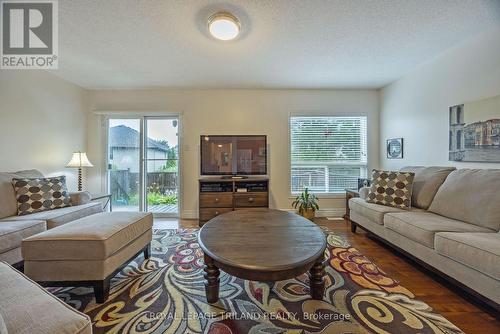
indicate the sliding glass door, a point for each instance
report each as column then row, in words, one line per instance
column 143, row 160
column 162, row 161
column 124, row 164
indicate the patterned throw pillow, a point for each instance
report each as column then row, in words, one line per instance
column 35, row 195
column 391, row 189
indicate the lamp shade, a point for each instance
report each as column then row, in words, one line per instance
column 79, row 159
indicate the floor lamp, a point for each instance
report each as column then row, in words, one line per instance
column 79, row 160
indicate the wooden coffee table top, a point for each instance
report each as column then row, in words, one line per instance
column 279, row 243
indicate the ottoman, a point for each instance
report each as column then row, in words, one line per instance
column 88, row 251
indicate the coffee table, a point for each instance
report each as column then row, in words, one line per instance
column 262, row 245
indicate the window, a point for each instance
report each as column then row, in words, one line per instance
column 328, row 154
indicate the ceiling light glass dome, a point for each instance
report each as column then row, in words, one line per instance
column 224, row 26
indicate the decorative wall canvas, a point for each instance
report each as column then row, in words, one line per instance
column 474, row 134
column 395, row 148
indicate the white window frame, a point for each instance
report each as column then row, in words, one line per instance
column 334, row 195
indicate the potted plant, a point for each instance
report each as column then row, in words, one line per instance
column 307, row 204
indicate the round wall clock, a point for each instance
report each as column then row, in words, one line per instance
column 395, row 148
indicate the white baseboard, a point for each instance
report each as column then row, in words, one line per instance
column 321, row 213
column 189, row 214
column 333, row 212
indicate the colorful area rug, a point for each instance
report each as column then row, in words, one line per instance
column 166, row 295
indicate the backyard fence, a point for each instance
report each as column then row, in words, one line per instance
column 124, row 184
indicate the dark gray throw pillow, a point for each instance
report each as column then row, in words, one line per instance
column 40, row 194
column 391, row 189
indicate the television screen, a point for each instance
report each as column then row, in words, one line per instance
column 233, row 155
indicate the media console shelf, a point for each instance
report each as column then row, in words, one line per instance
column 219, row 195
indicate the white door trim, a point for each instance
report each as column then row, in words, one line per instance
column 105, row 116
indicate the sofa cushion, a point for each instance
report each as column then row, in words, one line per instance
column 391, row 189
column 422, row 226
column 27, row 308
column 3, row 328
column 40, row 194
column 8, row 203
column 12, row 256
column 61, row 216
column 426, row 183
column 470, row 195
column 480, row 251
column 13, row 232
column 94, row 237
column 371, row 211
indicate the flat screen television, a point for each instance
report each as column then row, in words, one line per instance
column 233, row 155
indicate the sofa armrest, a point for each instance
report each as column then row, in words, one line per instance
column 363, row 192
column 80, row 197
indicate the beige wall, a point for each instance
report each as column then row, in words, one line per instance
column 416, row 106
column 42, row 117
column 42, row 121
column 233, row 112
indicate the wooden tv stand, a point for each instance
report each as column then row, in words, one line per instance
column 218, row 195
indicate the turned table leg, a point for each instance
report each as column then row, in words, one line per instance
column 316, row 279
column 211, row 280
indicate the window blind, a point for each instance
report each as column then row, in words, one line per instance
column 328, row 153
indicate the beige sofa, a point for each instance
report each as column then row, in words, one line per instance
column 13, row 228
column 453, row 226
column 27, row 308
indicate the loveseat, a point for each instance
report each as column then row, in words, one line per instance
column 14, row 228
column 452, row 227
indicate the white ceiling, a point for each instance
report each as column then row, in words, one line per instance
column 284, row 43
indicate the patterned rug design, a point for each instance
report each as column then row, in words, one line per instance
column 166, row 295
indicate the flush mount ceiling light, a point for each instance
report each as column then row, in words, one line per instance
column 224, row 26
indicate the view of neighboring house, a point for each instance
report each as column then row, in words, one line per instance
column 124, row 150
column 124, row 159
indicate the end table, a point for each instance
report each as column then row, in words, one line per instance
column 349, row 193
column 96, row 197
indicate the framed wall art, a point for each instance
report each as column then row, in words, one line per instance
column 395, row 148
column 474, row 131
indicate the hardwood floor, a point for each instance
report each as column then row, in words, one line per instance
column 448, row 301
